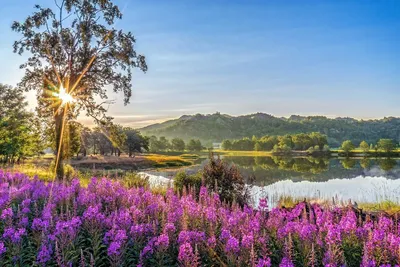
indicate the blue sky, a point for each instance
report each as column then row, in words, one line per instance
column 334, row 58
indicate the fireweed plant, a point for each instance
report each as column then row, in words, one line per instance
column 107, row 224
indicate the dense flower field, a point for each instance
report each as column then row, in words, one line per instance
column 106, row 224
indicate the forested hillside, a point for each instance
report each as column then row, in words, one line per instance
column 217, row 127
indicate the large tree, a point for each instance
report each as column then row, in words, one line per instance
column 75, row 53
column 135, row 142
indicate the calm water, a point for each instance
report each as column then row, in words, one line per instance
column 361, row 180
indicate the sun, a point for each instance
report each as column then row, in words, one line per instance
column 65, row 97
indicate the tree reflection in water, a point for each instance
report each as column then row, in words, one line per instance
column 268, row 170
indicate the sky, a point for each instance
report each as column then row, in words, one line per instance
column 332, row 58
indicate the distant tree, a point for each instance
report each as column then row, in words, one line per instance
column 40, row 140
column 364, row 146
column 154, row 144
column 118, row 138
column 86, row 141
column 74, row 138
column 177, row 144
column 226, row 145
column 325, row 148
column 194, row 145
column 16, row 139
column 318, row 139
column 347, row 146
column 258, row 146
column 164, row 144
column 285, row 141
column 102, row 144
column 135, row 142
column 75, row 46
column 386, row 145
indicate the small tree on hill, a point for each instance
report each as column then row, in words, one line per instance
column 364, row 146
column 258, row 146
column 347, row 146
column 386, row 145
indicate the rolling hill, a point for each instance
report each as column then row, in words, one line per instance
column 217, row 127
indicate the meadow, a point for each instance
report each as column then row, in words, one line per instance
column 109, row 224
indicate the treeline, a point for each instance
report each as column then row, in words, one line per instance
column 111, row 140
column 163, row 144
column 311, row 141
column 383, row 145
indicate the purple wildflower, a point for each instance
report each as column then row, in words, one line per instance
column 44, row 254
column 264, row 262
column 232, row 246
column 162, row 241
column 3, row 249
column 286, row 262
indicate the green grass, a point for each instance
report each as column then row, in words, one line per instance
column 163, row 161
column 243, row 153
column 383, row 206
column 371, row 151
column 189, row 156
column 387, row 206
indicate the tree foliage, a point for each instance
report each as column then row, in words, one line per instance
column 135, row 142
column 218, row 127
column 347, row 146
column 386, row 145
column 76, row 47
column 226, row 180
column 21, row 132
column 364, row 146
column 194, row 145
column 302, row 141
column 177, row 144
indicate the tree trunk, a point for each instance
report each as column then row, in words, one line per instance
column 59, row 145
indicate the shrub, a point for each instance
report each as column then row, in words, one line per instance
column 133, row 180
column 184, row 181
column 225, row 180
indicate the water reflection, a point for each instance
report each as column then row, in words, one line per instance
column 362, row 179
column 268, row 170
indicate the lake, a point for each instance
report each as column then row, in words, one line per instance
column 360, row 180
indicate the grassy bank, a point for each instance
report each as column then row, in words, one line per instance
column 163, row 161
column 361, row 153
column 243, row 153
column 387, row 206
